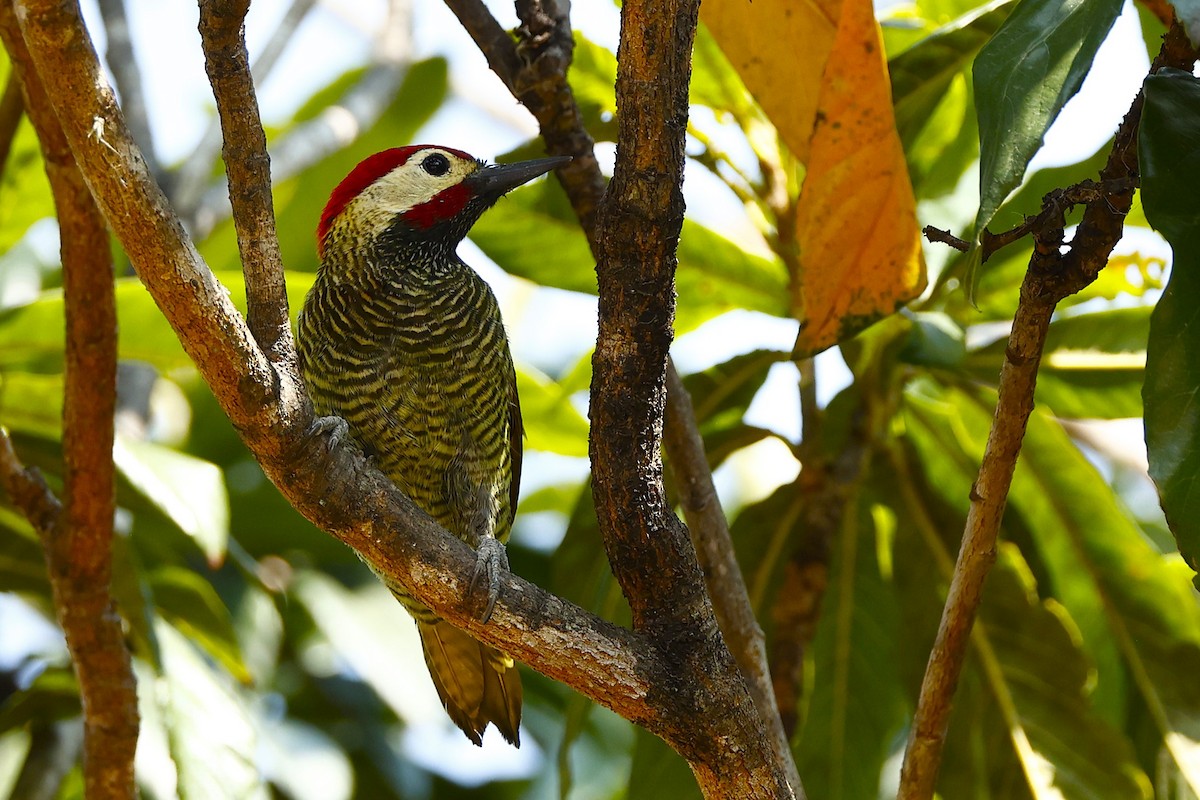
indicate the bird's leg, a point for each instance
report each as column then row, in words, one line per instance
column 333, row 428
column 490, row 556
column 491, row 560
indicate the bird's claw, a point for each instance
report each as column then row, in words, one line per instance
column 491, row 559
column 333, row 428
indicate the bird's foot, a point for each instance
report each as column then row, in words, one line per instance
column 491, row 559
column 334, row 429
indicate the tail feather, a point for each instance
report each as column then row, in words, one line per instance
column 477, row 684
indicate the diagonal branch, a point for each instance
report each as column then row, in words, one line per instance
column 222, row 31
column 78, row 541
column 122, row 61
column 1051, row 276
column 334, row 487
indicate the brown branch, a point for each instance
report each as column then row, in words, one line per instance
column 248, row 165
column 718, row 561
column 334, row 487
column 637, row 231
column 12, row 108
column 78, row 545
column 1051, row 277
column 540, row 70
column 535, row 71
column 122, row 62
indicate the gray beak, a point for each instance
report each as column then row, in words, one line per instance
column 492, row 182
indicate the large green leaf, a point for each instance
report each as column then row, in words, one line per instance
column 922, row 74
column 1169, row 145
column 210, row 732
column 24, row 190
column 189, row 490
column 31, row 403
column 1092, row 367
column 189, row 602
column 1139, row 619
column 855, row 708
column 552, row 423
column 1023, row 77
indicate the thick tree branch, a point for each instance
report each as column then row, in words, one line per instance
column 79, row 543
column 1051, row 277
column 651, row 555
column 12, row 108
column 122, row 62
column 535, row 71
column 222, row 33
column 335, row 487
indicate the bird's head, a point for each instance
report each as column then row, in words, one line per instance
column 419, row 195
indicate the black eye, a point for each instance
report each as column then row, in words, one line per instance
column 436, row 164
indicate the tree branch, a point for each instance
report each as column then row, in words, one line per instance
column 535, row 71
column 718, row 561
column 122, row 61
column 192, row 177
column 1051, row 277
column 12, row 107
column 78, row 544
column 334, row 487
column 222, row 33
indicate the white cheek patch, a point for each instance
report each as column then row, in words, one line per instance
column 404, row 188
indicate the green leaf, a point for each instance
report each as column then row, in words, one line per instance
column 855, row 708
column 659, row 772
column 1023, row 77
column 1169, row 151
column 190, row 491
column 31, row 404
column 352, row 622
column 52, row 696
column 24, row 190
column 934, row 341
column 22, row 562
column 723, row 392
column 1040, row 678
column 210, row 732
column 716, row 275
column 31, row 336
column 190, row 603
column 922, row 74
column 552, row 423
column 1130, row 607
column 1092, row 367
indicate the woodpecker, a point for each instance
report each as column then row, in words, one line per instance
column 403, row 341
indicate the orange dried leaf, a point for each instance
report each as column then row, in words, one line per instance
column 819, row 72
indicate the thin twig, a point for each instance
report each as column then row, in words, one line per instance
column 78, row 543
column 249, row 169
column 535, row 71
column 193, row 175
column 121, row 59
column 1051, row 277
column 335, row 127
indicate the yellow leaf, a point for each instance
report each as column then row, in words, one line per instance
column 779, row 48
column 819, row 72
